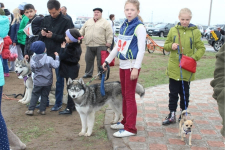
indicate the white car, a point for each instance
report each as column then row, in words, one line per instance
column 207, row 31
column 149, row 26
column 117, row 26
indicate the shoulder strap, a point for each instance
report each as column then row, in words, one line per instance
column 179, row 40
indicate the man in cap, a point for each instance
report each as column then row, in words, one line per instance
column 98, row 36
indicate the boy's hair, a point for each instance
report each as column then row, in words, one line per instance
column 53, row 4
column 2, row 5
column 28, row 6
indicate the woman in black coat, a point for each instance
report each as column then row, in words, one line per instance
column 69, row 57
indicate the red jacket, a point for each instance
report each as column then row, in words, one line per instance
column 5, row 50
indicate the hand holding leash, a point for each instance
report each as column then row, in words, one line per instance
column 174, row 46
column 104, row 66
column 26, row 57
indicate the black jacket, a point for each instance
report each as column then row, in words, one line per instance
column 222, row 32
column 58, row 27
column 69, row 58
column 36, row 29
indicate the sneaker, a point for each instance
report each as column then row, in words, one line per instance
column 123, row 133
column 20, row 77
column 117, row 126
column 11, row 70
column 67, row 111
column 6, row 74
column 41, row 112
column 29, row 112
column 56, row 108
column 171, row 118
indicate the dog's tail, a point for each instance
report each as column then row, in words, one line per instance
column 140, row 90
column 184, row 113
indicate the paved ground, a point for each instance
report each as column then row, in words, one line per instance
column 153, row 108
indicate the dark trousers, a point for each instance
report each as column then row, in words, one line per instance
column 70, row 102
column 91, row 52
column 176, row 88
column 59, row 88
column 111, row 48
column 22, row 48
column 38, row 91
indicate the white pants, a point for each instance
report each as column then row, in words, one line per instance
column 20, row 57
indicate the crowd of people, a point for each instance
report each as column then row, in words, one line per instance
column 52, row 42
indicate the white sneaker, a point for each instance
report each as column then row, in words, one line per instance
column 117, row 126
column 20, row 77
column 123, row 133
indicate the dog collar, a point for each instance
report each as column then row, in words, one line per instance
column 26, row 77
column 187, row 131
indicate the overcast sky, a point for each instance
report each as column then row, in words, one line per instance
column 156, row 10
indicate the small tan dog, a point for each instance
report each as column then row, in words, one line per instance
column 185, row 126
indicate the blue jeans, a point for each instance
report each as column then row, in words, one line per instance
column 59, row 89
column 5, row 66
column 4, row 142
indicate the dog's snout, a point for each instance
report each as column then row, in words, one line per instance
column 188, row 128
column 73, row 96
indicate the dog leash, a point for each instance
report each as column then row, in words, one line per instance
column 178, row 48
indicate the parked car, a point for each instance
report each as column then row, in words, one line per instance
column 207, row 31
column 149, row 26
column 217, row 44
column 78, row 24
column 201, row 29
column 160, row 30
column 117, row 26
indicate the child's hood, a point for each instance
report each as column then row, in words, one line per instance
column 4, row 26
column 40, row 60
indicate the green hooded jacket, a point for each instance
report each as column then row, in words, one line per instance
column 218, row 84
column 192, row 46
column 21, row 36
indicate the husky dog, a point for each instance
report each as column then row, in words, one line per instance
column 185, row 126
column 14, row 141
column 23, row 69
column 88, row 100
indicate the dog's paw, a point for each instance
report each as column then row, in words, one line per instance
column 81, row 134
column 20, row 100
column 24, row 102
column 184, row 136
column 87, row 134
column 190, row 144
column 182, row 139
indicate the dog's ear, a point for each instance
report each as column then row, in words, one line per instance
column 192, row 120
column 25, row 61
column 16, row 60
column 70, row 81
column 185, row 119
column 81, row 81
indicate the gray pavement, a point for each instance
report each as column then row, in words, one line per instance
column 153, row 108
